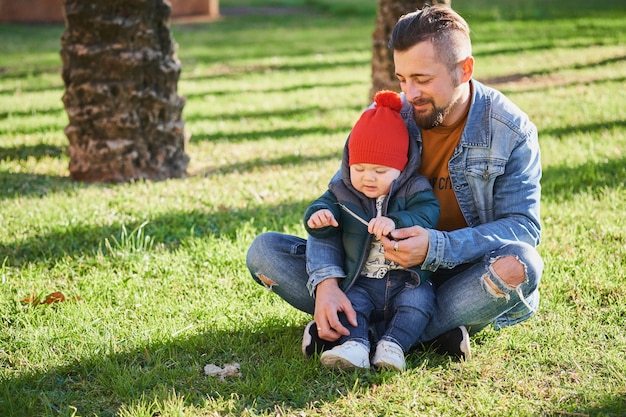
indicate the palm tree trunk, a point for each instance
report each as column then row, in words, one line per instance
column 383, row 70
column 121, row 72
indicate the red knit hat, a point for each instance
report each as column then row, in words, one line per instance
column 380, row 137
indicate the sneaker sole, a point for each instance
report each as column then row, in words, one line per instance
column 465, row 344
column 307, row 341
column 336, row 362
column 389, row 366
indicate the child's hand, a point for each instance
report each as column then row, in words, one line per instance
column 381, row 226
column 322, row 218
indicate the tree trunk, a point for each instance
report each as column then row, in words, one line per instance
column 383, row 69
column 121, row 73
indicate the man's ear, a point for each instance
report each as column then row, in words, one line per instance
column 467, row 69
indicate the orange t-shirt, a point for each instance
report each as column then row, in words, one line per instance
column 438, row 145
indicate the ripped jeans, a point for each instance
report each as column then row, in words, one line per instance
column 464, row 295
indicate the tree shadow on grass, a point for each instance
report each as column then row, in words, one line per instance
column 257, row 162
column 587, row 128
column 100, row 384
column 541, row 86
column 271, row 376
column 37, row 151
column 287, row 133
column 30, row 113
column 167, row 231
column 287, row 114
column 565, row 182
column 551, row 70
column 235, row 91
column 611, row 405
column 23, row 184
column 232, row 72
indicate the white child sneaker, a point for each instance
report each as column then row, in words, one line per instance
column 389, row 355
column 350, row 354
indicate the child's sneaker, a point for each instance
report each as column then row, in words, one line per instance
column 389, row 355
column 348, row 355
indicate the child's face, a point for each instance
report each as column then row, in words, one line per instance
column 372, row 180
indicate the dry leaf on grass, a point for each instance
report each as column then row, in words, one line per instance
column 54, row 297
column 230, row 369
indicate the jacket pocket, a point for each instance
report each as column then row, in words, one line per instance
column 481, row 174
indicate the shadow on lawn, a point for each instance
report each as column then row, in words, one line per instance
column 564, row 182
column 287, row 133
column 258, row 162
column 167, row 231
column 559, row 183
column 101, row 384
column 230, row 72
column 272, row 378
column 22, row 184
column 236, row 91
column 37, row 151
column 31, row 113
column 551, row 71
column 288, row 113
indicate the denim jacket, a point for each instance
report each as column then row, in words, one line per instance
column 495, row 171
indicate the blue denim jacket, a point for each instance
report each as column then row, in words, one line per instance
column 495, row 171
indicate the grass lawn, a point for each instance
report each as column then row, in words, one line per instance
column 154, row 273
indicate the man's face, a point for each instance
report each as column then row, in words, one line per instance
column 428, row 85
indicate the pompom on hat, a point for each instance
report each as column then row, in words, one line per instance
column 380, row 137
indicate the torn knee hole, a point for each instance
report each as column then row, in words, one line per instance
column 492, row 287
column 268, row 283
column 510, row 270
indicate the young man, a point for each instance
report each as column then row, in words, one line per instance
column 481, row 153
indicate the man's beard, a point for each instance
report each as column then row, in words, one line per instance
column 431, row 119
column 437, row 116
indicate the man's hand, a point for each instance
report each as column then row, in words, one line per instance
column 329, row 300
column 411, row 244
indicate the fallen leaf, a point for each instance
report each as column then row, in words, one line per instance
column 54, row 297
column 229, row 370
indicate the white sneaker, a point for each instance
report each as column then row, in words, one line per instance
column 389, row 355
column 350, row 354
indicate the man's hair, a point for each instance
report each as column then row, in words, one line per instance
column 439, row 24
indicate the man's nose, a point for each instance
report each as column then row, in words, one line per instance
column 412, row 92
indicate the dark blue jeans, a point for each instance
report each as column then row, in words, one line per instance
column 396, row 299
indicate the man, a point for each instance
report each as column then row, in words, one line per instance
column 481, row 154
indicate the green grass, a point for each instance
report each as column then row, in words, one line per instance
column 155, row 272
